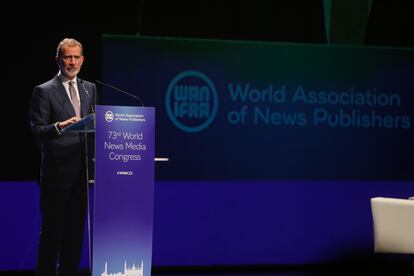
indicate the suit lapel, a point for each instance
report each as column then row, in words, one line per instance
column 84, row 101
column 62, row 97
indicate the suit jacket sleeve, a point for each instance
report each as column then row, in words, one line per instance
column 40, row 117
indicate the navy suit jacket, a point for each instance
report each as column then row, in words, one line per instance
column 62, row 155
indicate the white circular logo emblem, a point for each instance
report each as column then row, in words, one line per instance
column 109, row 116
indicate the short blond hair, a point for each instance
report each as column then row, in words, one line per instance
column 71, row 42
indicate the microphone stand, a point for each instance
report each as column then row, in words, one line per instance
column 122, row 91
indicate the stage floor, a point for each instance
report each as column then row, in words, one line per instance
column 348, row 270
column 381, row 264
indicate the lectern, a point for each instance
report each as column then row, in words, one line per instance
column 124, row 189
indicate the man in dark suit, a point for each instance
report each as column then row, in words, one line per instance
column 55, row 105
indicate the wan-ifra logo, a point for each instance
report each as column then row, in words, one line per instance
column 109, row 116
column 191, row 101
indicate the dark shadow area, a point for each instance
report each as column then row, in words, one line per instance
column 369, row 264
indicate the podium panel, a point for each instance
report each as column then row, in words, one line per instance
column 124, row 190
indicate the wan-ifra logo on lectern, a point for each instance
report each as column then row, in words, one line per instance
column 191, row 101
column 109, row 116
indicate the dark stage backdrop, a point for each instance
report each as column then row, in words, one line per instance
column 233, row 110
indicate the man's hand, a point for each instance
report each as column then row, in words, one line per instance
column 68, row 122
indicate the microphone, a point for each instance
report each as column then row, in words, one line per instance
column 122, row 91
column 87, row 94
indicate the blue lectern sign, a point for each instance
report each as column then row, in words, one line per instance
column 122, row 242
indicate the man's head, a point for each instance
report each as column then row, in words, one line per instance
column 69, row 57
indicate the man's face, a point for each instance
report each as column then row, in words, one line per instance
column 70, row 61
